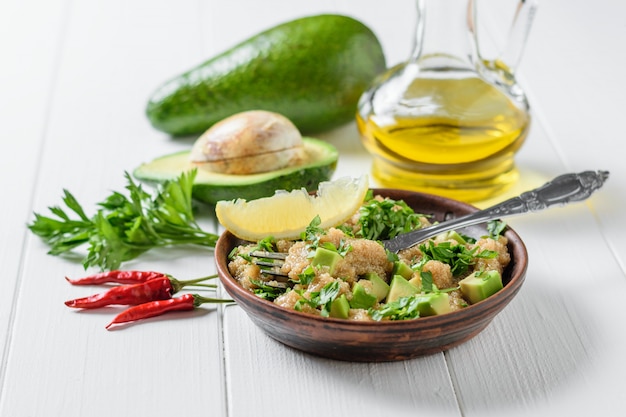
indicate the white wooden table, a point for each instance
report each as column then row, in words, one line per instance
column 74, row 79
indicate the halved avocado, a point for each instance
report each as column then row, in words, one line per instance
column 318, row 165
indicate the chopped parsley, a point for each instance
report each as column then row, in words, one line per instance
column 495, row 228
column 342, row 250
column 385, row 219
column 322, row 298
column 267, row 292
column 313, row 231
column 267, row 244
column 347, row 230
column 405, row 308
column 306, row 276
column 459, row 257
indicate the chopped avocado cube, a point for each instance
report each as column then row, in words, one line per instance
column 379, row 287
column 452, row 235
column 480, row 285
column 455, row 236
column 433, row 304
column 326, row 257
column 340, row 307
column 400, row 268
column 361, row 298
column 399, row 288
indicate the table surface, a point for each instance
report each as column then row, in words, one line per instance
column 74, row 80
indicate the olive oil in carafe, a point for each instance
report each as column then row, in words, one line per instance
column 450, row 136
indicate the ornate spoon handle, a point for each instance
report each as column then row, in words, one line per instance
column 562, row 190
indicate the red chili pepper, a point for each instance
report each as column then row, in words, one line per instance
column 157, row 308
column 118, row 277
column 155, row 289
column 160, row 288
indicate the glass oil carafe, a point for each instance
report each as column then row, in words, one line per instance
column 447, row 121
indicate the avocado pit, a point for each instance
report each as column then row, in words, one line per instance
column 248, row 143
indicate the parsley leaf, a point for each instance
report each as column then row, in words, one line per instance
column 427, row 281
column 495, row 228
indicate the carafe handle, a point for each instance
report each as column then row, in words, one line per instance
column 518, row 34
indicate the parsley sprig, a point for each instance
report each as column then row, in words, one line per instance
column 124, row 226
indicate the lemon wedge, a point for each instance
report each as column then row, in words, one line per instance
column 287, row 214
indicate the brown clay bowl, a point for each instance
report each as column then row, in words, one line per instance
column 380, row 341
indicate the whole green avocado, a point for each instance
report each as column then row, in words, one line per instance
column 311, row 70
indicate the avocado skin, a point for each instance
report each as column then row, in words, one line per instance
column 308, row 178
column 312, row 70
